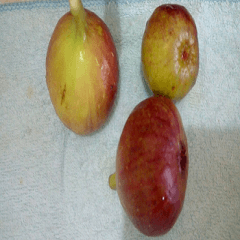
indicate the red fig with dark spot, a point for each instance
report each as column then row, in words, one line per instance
column 152, row 166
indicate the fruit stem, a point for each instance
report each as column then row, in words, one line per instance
column 78, row 12
column 112, row 181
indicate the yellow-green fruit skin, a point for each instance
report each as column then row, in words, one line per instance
column 82, row 73
column 170, row 52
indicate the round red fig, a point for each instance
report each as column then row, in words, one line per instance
column 152, row 166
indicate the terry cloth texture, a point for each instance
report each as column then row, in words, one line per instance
column 54, row 183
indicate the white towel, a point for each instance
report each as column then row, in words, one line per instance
column 54, row 183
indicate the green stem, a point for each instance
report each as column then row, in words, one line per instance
column 78, row 12
column 112, row 181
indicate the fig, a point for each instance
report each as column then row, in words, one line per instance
column 170, row 52
column 82, row 70
column 152, row 166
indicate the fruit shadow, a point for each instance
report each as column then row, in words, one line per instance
column 145, row 85
column 112, row 20
column 212, row 188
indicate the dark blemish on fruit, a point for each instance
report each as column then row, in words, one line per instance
column 154, row 202
column 111, row 87
column 63, row 94
column 173, row 87
column 182, row 158
column 185, row 55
